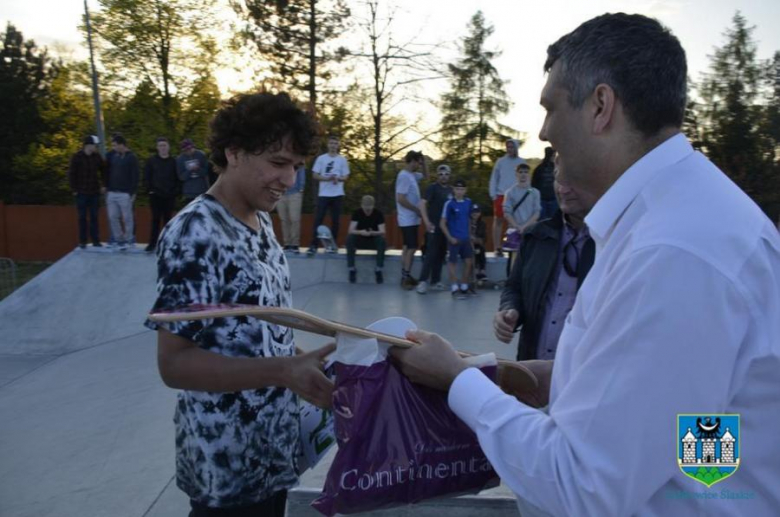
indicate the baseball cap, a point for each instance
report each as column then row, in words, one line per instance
column 443, row 168
column 475, row 208
column 91, row 140
column 459, row 183
column 186, row 144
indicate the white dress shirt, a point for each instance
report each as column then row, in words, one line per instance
column 680, row 314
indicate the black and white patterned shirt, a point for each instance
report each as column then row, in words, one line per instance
column 232, row 449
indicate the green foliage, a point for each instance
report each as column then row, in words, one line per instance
column 292, row 36
column 737, row 114
column 26, row 76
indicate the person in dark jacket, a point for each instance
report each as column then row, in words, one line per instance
column 122, row 179
column 193, row 169
column 543, row 178
column 86, row 168
column 162, row 184
column 557, row 255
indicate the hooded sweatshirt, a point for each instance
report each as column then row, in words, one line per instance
column 503, row 176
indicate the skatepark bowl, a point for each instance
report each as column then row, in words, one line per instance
column 86, row 424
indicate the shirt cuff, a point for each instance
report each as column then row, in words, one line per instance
column 470, row 390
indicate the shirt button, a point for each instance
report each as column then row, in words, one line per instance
column 553, row 322
column 560, row 294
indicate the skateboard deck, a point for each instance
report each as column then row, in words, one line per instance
column 326, row 237
column 513, row 377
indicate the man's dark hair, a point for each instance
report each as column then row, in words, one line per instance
column 258, row 122
column 413, row 156
column 119, row 139
column 161, row 139
column 523, row 166
column 638, row 57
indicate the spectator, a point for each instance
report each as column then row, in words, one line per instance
column 542, row 180
column 289, row 210
column 501, row 179
column 478, row 237
column 192, row 167
column 431, row 206
column 86, row 168
column 557, row 255
column 237, row 416
column 407, row 200
column 455, row 222
column 162, row 183
column 366, row 232
column 122, row 184
column 331, row 170
column 521, row 203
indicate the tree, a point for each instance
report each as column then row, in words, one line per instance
column 26, row 76
column 733, row 112
column 161, row 43
column 472, row 136
column 293, row 36
column 393, row 68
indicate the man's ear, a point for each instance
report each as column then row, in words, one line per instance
column 604, row 107
column 231, row 155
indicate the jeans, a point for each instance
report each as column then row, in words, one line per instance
column 323, row 204
column 274, row 506
column 435, row 252
column 162, row 209
column 289, row 210
column 361, row 242
column 88, row 203
column 120, row 215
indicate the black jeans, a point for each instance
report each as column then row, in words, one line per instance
column 88, row 203
column 323, row 205
column 435, row 252
column 361, row 242
column 274, row 506
column 162, row 209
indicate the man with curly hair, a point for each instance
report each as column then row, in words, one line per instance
column 237, row 418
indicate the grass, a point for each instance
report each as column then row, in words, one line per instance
column 24, row 272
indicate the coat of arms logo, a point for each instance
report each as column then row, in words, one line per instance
column 708, row 446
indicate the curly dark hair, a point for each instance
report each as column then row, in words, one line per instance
column 258, row 122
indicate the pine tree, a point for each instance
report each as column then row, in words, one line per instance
column 472, row 136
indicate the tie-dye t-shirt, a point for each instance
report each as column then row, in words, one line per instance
column 232, row 449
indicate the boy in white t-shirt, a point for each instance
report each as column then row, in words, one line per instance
column 407, row 200
column 331, row 170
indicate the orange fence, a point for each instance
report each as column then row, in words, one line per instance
column 47, row 233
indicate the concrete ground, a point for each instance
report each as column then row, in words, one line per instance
column 86, row 423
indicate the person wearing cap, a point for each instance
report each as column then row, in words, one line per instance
column 407, row 201
column 455, row 223
column 162, row 184
column 501, row 179
column 431, row 206
column 366, row 232
column 122, row 178
column 192, row 166
column 86, row 168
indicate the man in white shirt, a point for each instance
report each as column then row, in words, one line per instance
column 331, row 170
column 679, row 314
column 502, row 179
column 407, row 199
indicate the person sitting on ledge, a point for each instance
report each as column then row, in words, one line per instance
column 366, row 231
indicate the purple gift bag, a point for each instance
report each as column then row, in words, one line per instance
column 398, row 443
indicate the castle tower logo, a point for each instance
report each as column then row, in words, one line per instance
column 708, row 446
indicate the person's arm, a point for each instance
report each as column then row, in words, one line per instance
column 423, row 207
column 443, row 226
column 316, row 171
column 181, row 170
column 511, row 313
column 353, row 228
column 380, row 231
column 343, row 177
column 530, row 222
column 623, row 373
column 404, row 202
column 183, row 365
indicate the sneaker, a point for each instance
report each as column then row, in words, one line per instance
column 413, row 281
column 352, row 276
column 422, row 287
column 461, row 294
column 123, row 246
column 295, row 249
column 499, row 253
column 97, row 244
column 311, row 252
column 406, row 283
column 439, row 287
column 380, row 278
column 331, row 250
column 83, row 245
column 149, row 249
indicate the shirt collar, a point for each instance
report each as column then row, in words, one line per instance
column 607, row 211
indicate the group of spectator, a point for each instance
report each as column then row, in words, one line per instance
column 117, row 176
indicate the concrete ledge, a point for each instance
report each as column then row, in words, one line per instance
column 299, row 501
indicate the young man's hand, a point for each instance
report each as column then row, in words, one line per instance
column 504, row 323
column 434, row 363
column 453, row 241
column 306, row 378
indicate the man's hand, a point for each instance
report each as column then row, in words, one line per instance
column 453, row 241
column 305, row 376
column 430, row 227
column 434, row 363
column 541, row 396
column 504, row 323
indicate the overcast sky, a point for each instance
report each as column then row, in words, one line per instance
column 523, row 30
